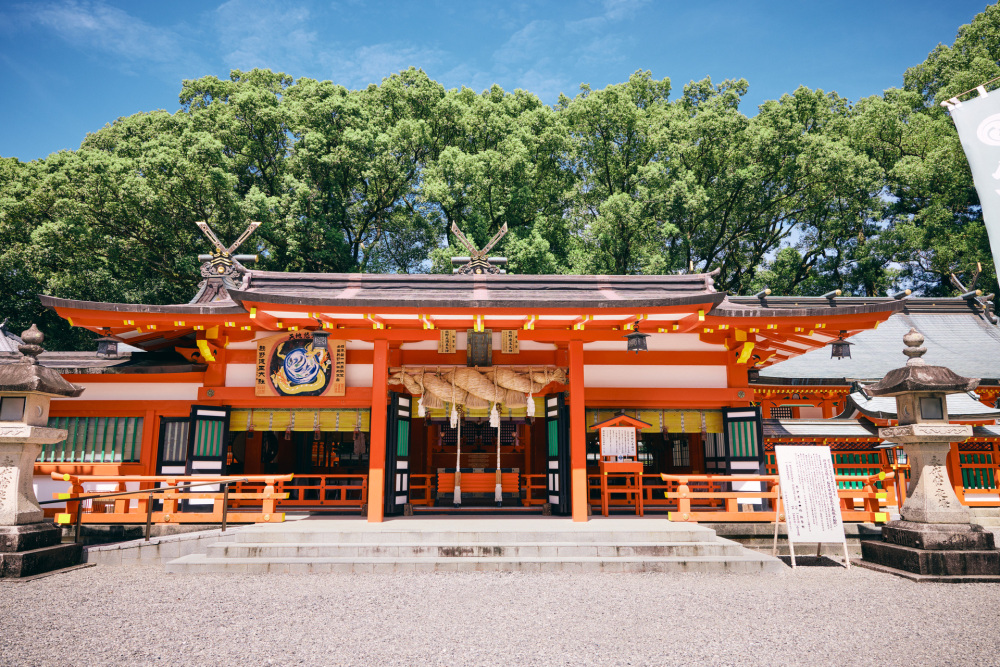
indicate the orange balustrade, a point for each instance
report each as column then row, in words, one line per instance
column 424, row 485
column 535, row 482
column 308, row 490
column 171, row 511
column 870, row 498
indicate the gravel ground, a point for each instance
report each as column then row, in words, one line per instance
column 138, row 615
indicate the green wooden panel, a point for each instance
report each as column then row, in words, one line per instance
column 403, row 438
column 553, row 437
column 95, row 440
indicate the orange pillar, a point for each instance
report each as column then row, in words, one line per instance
column 577, row 433
column 376, row 440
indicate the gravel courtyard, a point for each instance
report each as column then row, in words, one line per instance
column 138, row 615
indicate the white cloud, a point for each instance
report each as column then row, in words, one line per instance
column 527, row 42
column 255, row 33
column 371, row 63
column 98, row 27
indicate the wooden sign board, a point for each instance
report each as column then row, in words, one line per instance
column 288, row 365
column 509, row 342
column 479, row 348
column 447, row 342
column 618, row 441
column 809, row 495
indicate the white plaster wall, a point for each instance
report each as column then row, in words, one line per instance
column 658, row 342
column 241, row 375
column 654, row 376
column 139, row 391
column 45, row 487
column 811, row 413
column 359, row 375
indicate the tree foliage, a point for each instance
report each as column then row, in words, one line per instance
column 809, row 193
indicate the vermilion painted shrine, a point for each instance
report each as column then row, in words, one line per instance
column 376, row 391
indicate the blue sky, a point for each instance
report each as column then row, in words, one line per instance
column 68, row 67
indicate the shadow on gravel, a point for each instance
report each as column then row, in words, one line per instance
column 812, row 561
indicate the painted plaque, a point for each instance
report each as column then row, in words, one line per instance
column 288, row 365
column 618, row 441
column 809, row 493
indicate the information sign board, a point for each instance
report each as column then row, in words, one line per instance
column 809, row 495
column 618, row 441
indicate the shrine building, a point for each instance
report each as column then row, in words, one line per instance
column 375, row 390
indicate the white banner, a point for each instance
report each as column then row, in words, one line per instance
column 809, row 492
column 618, row 441
column 978, row 123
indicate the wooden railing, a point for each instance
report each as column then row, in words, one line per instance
column 134, row 506
column 535, row 482
column 327, row 490
column 686, row 493
column 424, row 484
column 979, row 474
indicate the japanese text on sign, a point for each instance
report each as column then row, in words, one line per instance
column 617, row 441
column 809, row 492
column 509, row 342
column 446, row 342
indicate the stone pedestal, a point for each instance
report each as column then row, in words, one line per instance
column 930, row 496
column 934, row 541
column 18, row 505
column 28, row 544
column 32, row 549
column 942, row 552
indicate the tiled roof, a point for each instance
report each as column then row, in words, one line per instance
column 960, row 406
column 958, row 338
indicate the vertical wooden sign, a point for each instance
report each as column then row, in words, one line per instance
column 446, row 343
column 339, row 385
column 509, row 342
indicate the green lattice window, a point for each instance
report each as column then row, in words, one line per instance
column 95, row 440
column 980, row 476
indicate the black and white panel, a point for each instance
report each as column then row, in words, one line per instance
column 208, row 436
column 397, row 454
column 557, row 460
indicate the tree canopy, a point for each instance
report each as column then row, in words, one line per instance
column 813, row 192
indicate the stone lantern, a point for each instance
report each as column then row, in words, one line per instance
column 934, row 539
column 28, row 544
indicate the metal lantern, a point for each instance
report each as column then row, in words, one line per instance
column 636, row 340
column 319, row 339
column 841, row 348
column 107, row 347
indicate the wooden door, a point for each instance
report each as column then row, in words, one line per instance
column 557, row 459
column 208, row 438
column 397, row 454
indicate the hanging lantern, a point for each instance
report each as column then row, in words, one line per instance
column 841, row 348
column 319, row 338
column 107, row 348
column 636, row 340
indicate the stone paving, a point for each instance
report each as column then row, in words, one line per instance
column 820, row 615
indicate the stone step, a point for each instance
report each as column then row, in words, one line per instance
column 749, row 562
column 269, row 550
column 985, row 516
column 291, row 535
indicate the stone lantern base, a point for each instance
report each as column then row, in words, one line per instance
column 942, row 552
column 28, row 544
column 934, row 541
column 35, row 548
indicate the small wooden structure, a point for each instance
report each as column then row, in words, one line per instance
column 619, row 457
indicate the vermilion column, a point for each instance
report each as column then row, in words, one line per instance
column 577, row 433
column 376, row 447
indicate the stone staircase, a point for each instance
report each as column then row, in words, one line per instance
column 530, row 544
column 987, row 517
